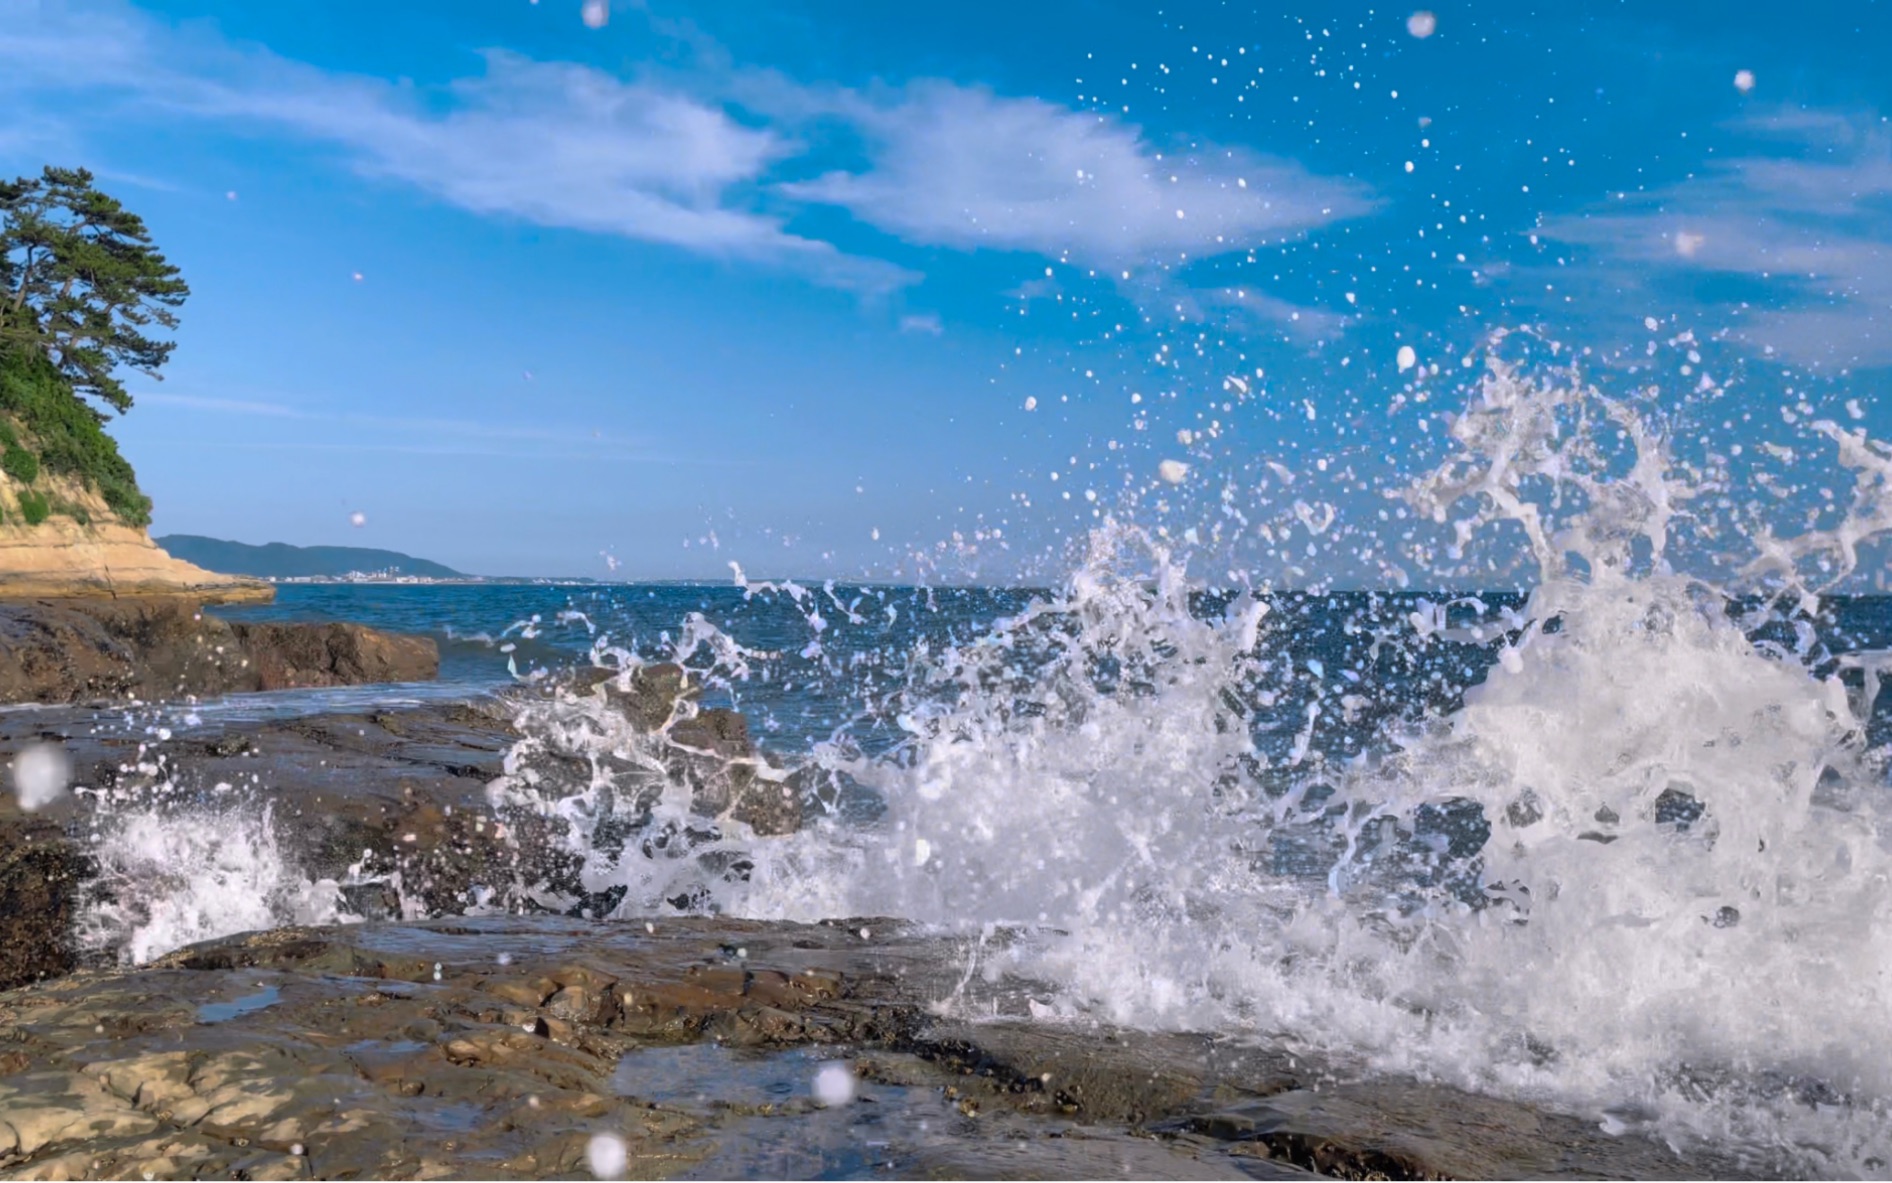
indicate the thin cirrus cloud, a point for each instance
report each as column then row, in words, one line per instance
column 430, row 434
column 563, row 144
column 1799, row 221
column 557, row 144
column 960, row 166
column 928, row 323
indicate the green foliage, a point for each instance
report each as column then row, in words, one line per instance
column 66, row 433
column 70, row 509
column 34, row 507
column 80, row 283
column 19, row 464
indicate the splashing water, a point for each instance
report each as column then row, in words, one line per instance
column 1641, row 869
column 1616, row 845
column 170, row 875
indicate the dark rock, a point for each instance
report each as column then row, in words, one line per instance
column 712, row 752
column 287, row 656
column 64, row 651
column 41, row 872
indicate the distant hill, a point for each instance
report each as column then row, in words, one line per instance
column 279, row 560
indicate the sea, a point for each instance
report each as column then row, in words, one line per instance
column 1614, row 838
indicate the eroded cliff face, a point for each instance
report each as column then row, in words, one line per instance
column 65, row 556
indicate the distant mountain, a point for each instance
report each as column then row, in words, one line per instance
column 279, row 560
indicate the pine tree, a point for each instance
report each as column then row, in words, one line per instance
column 81, row 283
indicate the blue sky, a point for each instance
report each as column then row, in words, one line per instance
column 852, row 289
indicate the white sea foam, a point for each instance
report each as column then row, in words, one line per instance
column 171, row 875
column 1680, row 917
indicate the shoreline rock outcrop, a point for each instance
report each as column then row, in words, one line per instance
column 506, row 1047
column 168, row 647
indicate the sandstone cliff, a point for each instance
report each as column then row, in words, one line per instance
column 85, row 551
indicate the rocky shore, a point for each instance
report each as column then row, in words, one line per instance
column 552, row 1048
column 536, row 1041
column 170, row 647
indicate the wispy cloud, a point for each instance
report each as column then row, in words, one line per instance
column 1251, row 309
column 1800, row 220
column 227, row 406
column 424, row 434
column 557, row 144
column 666, row 159
column 963, row 167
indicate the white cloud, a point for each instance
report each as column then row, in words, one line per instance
column 666, row 161
column 1804, row 216
column 962, row 167
column 554, row 143
column 922, row 322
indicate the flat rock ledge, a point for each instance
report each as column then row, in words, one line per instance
column 167, row 647
column 701, row 1047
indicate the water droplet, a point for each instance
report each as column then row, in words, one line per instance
column 834, row 1084
column 606, row 1154
column 40, row 775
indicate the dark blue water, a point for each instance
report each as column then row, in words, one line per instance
column 1352, row 660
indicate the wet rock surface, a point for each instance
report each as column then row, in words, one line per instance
column 393, row 806
column 500, row 1047
column 67, row 651
column 41, row 874
column 503, row 1045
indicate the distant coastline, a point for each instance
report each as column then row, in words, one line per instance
column 384, row 578
column 279, row 561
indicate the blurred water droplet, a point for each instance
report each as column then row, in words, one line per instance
column 607, row 1156
column 596, row 13
column 40, row 775
column 1422, row 24
column 1744, row 80
column 834, row 1084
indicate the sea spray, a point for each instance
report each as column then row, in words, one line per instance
column 1616, row 844
column 1639, row 866
column 170, row 875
